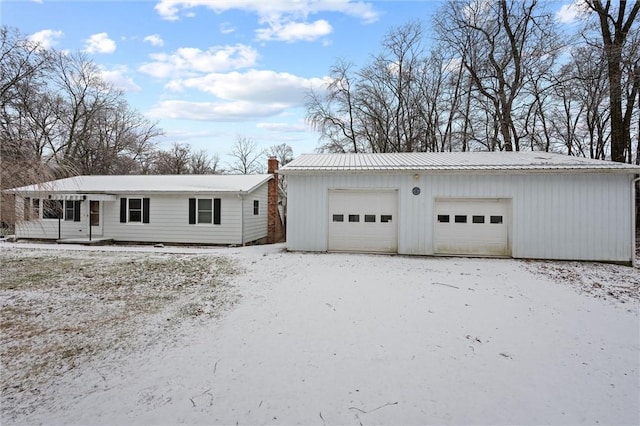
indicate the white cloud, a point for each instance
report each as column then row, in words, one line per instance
column 188, row 61
column 117, row 76
column 258, row 86
column 272, row 10
column 293, row 31
column 215, row 111
column 154, row 40
column 283, row 127
column 100, row 43
column 571, row 12
column 227, row 28
column 46, row 38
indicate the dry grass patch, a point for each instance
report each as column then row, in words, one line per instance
column 62, row 308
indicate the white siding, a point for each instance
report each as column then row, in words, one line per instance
column 169, row 221
column 583, row 216
column 255, row 227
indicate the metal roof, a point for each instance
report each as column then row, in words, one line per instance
column 450, row 162
column 127, row 184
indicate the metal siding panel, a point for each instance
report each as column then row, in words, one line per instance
column 561, row 216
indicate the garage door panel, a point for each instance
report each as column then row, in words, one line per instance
column 362, row 221
column 472, row 227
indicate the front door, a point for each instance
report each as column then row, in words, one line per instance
column 95, row 218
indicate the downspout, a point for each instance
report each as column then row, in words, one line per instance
column 634, row 263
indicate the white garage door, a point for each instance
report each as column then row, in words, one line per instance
column 363, row 221
column 472, row 226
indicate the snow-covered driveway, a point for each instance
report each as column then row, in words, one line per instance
column 365, row 339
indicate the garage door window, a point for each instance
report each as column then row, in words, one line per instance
column 496, row 219
column 338, row 218
column 385, row 218
column 460, row 219
column 443, row 218
column 478, row 219
column 354, row 218
column 369, row 218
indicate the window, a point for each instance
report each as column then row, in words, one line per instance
column 478, row 219
column 204, row 210
column 338, row 218
column 134, row 210
column 72, row 210
column 354, row 218
column 369, row 218
column 443, row 218
column 385, row 218
column 52, row 209
column 460, row 219
column 495, row 219
column 27, row 209
column 35, row 209
column 256, row 207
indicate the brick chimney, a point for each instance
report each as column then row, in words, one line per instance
column 274, row 223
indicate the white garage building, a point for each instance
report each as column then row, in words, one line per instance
column 512, row 204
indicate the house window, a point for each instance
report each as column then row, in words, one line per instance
column 477, row 219
column 443, row 218
column 35, row 209
column 256, row 207
column 496, row 219
column 72, row 210
column 354, row 218
column 52, row 209
column 338, row 218
column 370, row 218
column 205, row 210
column 385, row 218
column 134, row 210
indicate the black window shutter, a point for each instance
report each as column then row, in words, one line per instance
column 123, row 210
column 192, row 211
column 216, row 211
column 145, row 210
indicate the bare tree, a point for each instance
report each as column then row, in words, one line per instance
column 615, row 29
column 247, row 157
column 283, row 153
column 174, row 161
column 502, row 45
column 332, row 111
column 201, row 163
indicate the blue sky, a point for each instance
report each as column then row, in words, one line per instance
column 211, row 70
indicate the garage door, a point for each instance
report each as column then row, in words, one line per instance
column 472, row 226
column 364, row 221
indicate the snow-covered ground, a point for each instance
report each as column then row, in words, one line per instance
column 300, row 338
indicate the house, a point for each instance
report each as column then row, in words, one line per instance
column 190, row 209
column 511, row 204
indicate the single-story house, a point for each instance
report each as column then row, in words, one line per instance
column 191, row 209
column 512, row 204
